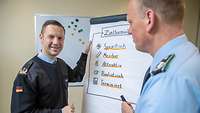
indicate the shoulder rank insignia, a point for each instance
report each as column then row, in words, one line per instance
column 25, row 68
column 23, row 71
column 163, row 65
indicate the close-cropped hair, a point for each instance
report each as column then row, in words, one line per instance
column 170, row 11
column 51, row 22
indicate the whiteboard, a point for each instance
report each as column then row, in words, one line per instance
column 76, row 35
column 114, row 67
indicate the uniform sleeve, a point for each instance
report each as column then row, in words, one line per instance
column 181, row 95
column 24, row 97
column 77, row 74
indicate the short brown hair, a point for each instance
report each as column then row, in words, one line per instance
column 51, row 22
column 170, row 11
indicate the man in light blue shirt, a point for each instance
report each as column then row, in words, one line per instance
column 173, row 85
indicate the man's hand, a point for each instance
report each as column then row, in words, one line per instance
column 68, row 109
column 87, row 47
column 127, row 108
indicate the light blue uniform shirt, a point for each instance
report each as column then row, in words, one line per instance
column 46, row 58
column 178, row 89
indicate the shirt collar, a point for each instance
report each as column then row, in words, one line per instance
column 166, row 49
column 46, row 58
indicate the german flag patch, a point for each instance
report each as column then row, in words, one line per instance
column 19, row 89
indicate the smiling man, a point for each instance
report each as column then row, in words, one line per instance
column 41, row 86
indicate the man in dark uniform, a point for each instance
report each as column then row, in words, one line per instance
column 41, row 86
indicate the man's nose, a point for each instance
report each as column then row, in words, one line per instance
column 55, row 40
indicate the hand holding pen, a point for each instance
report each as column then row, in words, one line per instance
column 126, row 107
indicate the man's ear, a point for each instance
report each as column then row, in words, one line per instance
column 150, row 19
column 41, row 36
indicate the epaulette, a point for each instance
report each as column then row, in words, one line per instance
column 163, row 65
column 25, row 68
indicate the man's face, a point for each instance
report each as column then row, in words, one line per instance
column 52, row 40
column 136, row 25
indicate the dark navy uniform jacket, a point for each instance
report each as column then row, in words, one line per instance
column 41, row 87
